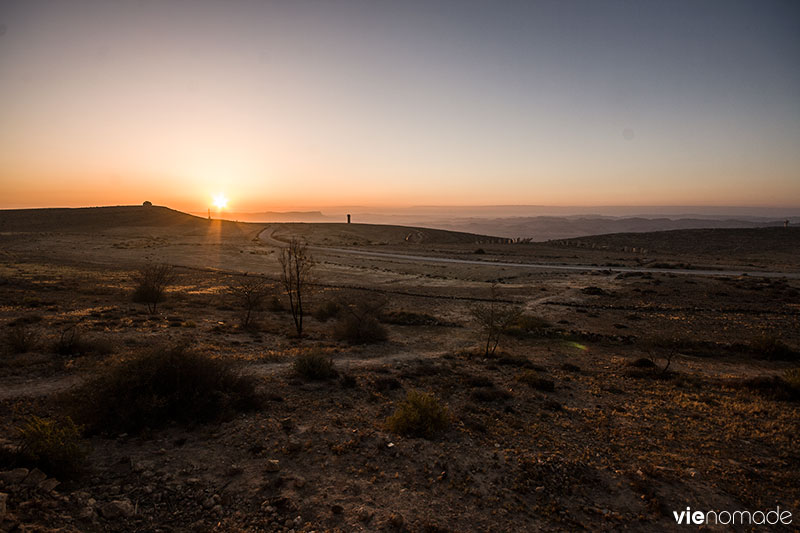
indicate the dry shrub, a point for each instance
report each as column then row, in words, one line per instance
column 326, row 311
column 151, row 285
column 493, row 319
column 792, row 377
column 773, row 349
column 21, row 338
column 412, row 318
column 491, row 394
column 420, row 415
column 358, row 322
column 772, row 387
column 251, row 294
column 526, row 325
column 532, row 379
column 315, row 366
column 72, row 341
column 161, row 386
column 54, row 446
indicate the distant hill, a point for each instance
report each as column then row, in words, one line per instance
column 543, row 228
column 340, row 234
column 276, row 216
column 96, row 219
column 718, row 241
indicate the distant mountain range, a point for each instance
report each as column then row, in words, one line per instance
column 547, row 228
column 536, row 228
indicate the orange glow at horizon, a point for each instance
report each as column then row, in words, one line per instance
column 288, row 105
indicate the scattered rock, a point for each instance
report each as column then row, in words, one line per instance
column 117, row 509
column 48, row 484
column 273, row 465
column 14, row 477
column 396, row 520
column 35, row 477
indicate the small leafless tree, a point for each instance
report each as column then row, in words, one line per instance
column 250, row 292
column 151, row 284
column 662, row 348
column 297, row 267
column 494, row 318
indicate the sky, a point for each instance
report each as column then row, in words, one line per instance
column 295, row 104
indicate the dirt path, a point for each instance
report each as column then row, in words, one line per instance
column 38, row 387
column 35, row 387
column 266, row 236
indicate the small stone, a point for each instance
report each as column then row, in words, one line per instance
column 48, row 484
column 14, row 477
column 273, row 465
column 365, row 515
column 117, row 509
column 86, row 513
column 34, row 477
column 396, row 520
column 337, row 509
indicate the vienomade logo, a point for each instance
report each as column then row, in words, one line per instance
column 771, row 518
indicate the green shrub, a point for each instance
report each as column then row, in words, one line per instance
column 158, row 387
column 56, row 447
column 315, row 366
column 420, row 415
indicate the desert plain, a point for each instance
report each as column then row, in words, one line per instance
column 642, row 373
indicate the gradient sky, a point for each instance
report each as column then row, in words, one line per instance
column 284, row 104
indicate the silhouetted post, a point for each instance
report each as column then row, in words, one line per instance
column 348, row 218
column 785, row 222
column 209, row 213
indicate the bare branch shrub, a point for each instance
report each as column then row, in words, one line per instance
column 151, row 284
column 251, row 294
column 297, row 267
column 494, row 318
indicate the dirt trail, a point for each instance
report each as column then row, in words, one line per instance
column 266, row 236
column 38, row 387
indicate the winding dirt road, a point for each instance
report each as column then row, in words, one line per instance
column 267, row 237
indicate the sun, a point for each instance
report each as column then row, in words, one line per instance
column 220, row 202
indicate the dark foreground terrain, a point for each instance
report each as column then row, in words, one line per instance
column 612, row 400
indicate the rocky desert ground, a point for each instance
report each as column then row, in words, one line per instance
column 636, row 375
